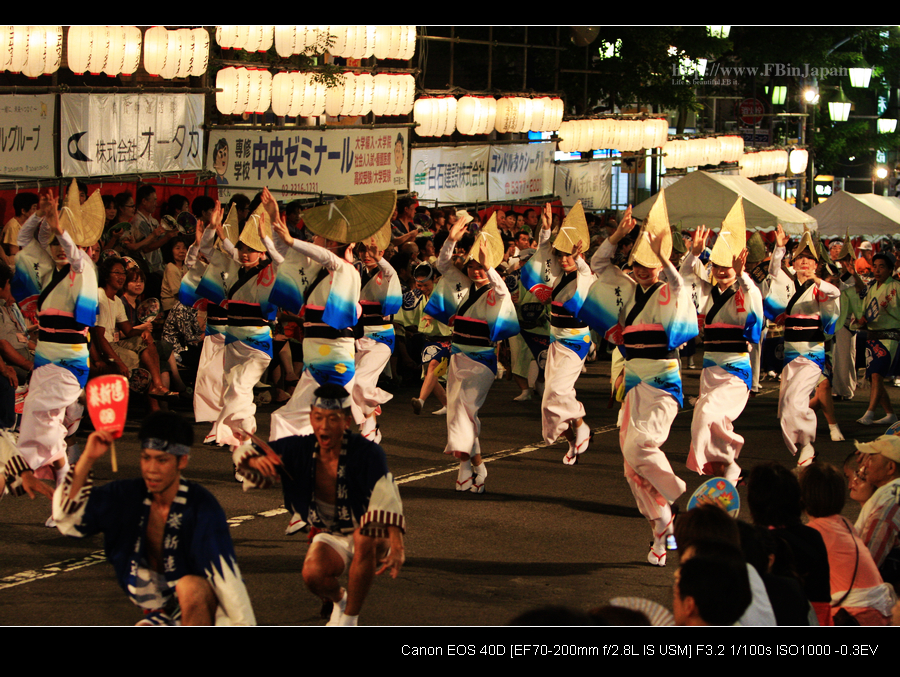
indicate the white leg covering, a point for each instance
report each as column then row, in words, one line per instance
column 478, row 478
column 371, row 356
column 52, row 393
column 647, row 416
column 464, row 476
column 244, row 366
column 843, row 360
column 798, row 422
column 723, row 397
column 559, row 404
column 468, row 383
column 209, row 387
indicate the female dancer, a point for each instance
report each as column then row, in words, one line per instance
column 56, row 269
column 480, row 314
column 569, row 277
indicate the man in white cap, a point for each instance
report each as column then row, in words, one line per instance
column 864, row 262
column 879, row 520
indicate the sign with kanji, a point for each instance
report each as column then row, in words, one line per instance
column 520, row 171
column 26, row 135
column 450, row 175
column 590, row 182
column 338, row 161
column 103, row 134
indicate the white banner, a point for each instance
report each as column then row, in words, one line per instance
column 450, row 175
column 589, row 182
column 520, row 171
column 26, row 135
column 104, row 134
column 338, row 162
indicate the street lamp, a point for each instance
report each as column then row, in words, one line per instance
column 860, row 75
column 839, row 107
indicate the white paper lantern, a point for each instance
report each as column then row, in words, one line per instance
column 80, row 44
column 798, row 160
column 133, row 42
column 226, row 80
column 156, row 45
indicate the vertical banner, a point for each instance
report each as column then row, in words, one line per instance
column 103, row 134
column 450, row 175
column 589, row 182
column 26, row 135
column 340, row 162
column 520, row 171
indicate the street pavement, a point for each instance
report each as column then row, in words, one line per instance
column 543, row 533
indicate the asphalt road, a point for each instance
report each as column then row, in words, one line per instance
column 543, row 533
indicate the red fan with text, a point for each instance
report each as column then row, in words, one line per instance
column 107, row 405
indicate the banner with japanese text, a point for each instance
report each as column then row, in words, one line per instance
column 520, row 171
column 26, row 136
column 336, row 162
column 450, row 175
column 590, row 182
column 104, row 134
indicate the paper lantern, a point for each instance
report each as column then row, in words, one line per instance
column 156, row 44
column 799, row 158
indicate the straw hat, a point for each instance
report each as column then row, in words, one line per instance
column 732, row 237
column 806, row 242
column 657, row 223
column 678, row 240
column 355, row 218
column 572, row 231
column 382, row 237
column 756, row 249
column 490, row 240
column 232, row 225
column 84, row 222
column 250, row 234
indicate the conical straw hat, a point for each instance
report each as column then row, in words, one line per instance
column 382, row 237
column 847, row 248
column 806, row 243
column 732, row 237
column 824, row 256
column 678, row 239
column 84, row 222
column 489, row 238
column 572, row 231
column 657, row 223
column 250, row 234
column 355, row 218
column 232, row 225
column 756, row 249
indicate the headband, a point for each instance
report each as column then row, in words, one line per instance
column 164, row 445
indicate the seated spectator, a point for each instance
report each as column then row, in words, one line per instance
column 711, row 586
column 24, row 205
column 711, row 523
column 773, row 495
column 879, row 520
column 110, row 354
column 16, row 347
column 859, row 596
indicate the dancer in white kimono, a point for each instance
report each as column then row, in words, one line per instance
column 560, row 273
column 808, row 307
column 480, row 310
column 59, row 279
column 730, row 306
column 379, row 298
column 651, row 319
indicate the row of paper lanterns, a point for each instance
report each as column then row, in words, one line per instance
column 114, row 50
column 298, row 94
column 176, row 53
column 351, row 42
column 581, row 136
column 32, row 50
column 438, row 116
column 768, row 162
column 764, row 163
column 712, row 150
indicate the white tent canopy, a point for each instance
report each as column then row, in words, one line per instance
column 705, row 199
column 867, row 214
